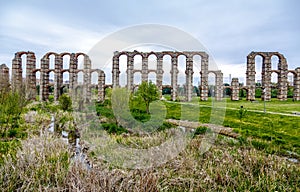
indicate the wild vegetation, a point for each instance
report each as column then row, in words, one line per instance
column 259, row 159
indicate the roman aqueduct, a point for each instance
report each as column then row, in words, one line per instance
column 31, row 81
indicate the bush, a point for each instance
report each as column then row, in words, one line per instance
column 65, row 102
column 113, row 128
column 51, row 98
column 259, row 144
column 202, row 130
column 165, row 125
column 12, row 105
column 8, row 147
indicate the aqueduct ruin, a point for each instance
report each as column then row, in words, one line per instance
column 31, row 81
column 174, row 72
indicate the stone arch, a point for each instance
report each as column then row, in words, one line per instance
column 80, row 77
column 23, row 58
column 17, row 77
column 51, row 84
column 123, row 67
column 167, row 68
column 135, row 88
column 212, row 79
column 94, row 77
column 152, row 76
column 152, row 61
column 137, row 77
column 66, row 57
column 45, row 75
column 52, row 58
column 275, row 61
column 80, row 60
column 196, row 68
column 266, row 75
column 137, row 61
column 292, row 84
column 161, row 70
column 166, row 89
column 182, row 67
column 217, row 84
column 242, row 92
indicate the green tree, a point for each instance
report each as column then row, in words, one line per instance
column 65, row 102
column 148, row 92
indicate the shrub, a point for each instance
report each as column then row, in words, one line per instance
column 113, row 128
column 65, row 102
column 202, row 130
column 51, row 98
column 259, row 144
column 165, row 125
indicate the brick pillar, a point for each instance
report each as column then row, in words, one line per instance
column 296, row 96
column 101, row 84
column 30, row 76
column 266, row 78
column 129, row 72
column 282, row 79
column 58, row 76
column 159, row 74
column 219, row 86
column 250, row 78
column 73, row 73
column 144, row 67
column 204, row 78
column 87, row 78
column 174, row 73
column 235, row 89
column 17, row 72
column 44, row 81
column 189, row 78
column 115, row 70
column 4, row 78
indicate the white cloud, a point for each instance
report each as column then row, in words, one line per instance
column 48, row 33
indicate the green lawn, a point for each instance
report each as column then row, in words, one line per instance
column 271, row 106
column 276, row 133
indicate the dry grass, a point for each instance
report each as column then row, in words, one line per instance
column 45, row 164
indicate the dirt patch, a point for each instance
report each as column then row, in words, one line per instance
column 227, row 131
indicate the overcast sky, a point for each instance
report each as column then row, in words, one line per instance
column 229, row 29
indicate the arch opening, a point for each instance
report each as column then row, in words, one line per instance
column 123, row 70
column 167, row 66
column 152, row 62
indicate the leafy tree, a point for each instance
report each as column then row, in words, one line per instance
column 290, row 92
column 242, row 93
column 148, row 92
column 196, row 90
column 258, row 92
column 65, row 102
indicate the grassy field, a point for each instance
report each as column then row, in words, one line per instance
column 272, row 132
column 274, row 105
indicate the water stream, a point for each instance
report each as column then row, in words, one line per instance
column 79, row 155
